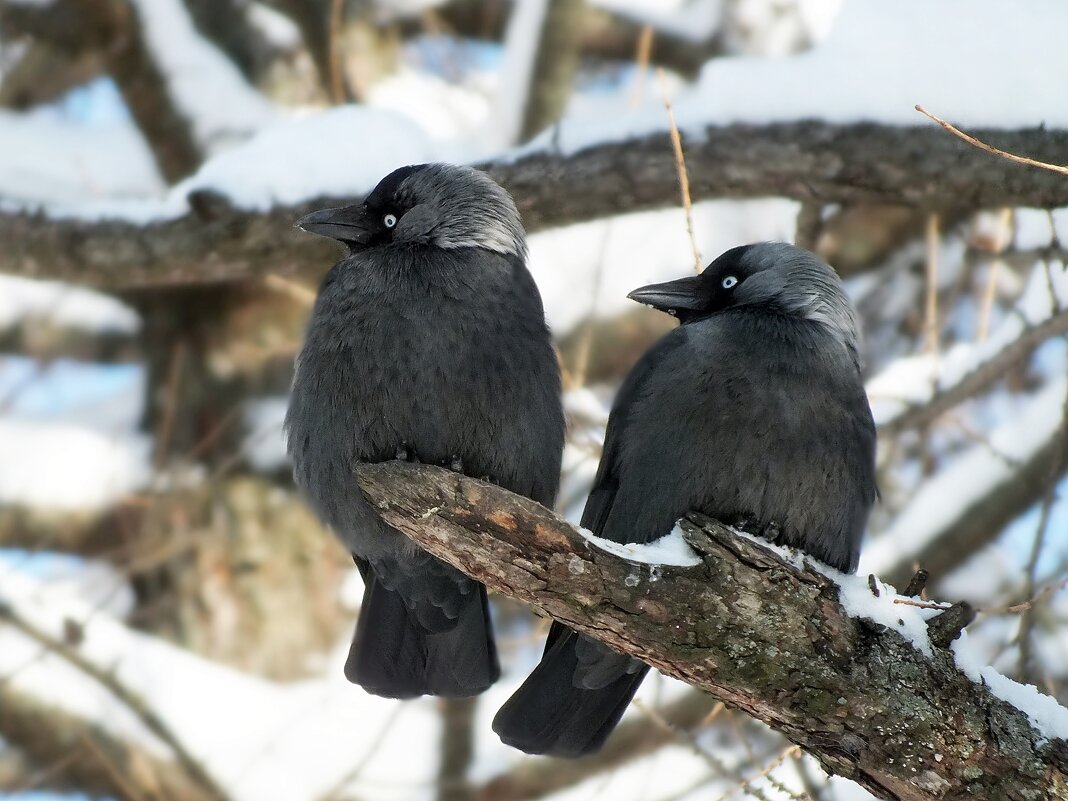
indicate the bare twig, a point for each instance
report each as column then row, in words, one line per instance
column 641, row 58
column 790, row 753
column 931, row 306
column 971, row 140
column 1039, row 597
column 921, row 604
column 680, row 166
column 131, row 700
column 981, row 377
column 1027, row 616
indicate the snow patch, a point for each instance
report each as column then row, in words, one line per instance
column 63, row 305
column 968, row 479
column 912, row 380
column 340, row 152
column 203, row 83
column 1047, row 716
column 64, row 466
column 671, row 549
column 44, row 160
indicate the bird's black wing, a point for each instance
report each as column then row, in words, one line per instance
column 606, row 482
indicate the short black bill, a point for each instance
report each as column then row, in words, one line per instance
column 683, row 293
column 351, row 224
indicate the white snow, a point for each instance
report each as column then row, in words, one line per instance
column 941, row 499
column 1047, row 716
column 262, row 740
column 857, row 74
column 333, row 153
column 205, row 85
column 911, row 381
column 635, row 249
column 1033, row 229
column 72, row 579
column 694, row 20
column 521, row 40
column 65, row 466
column 264, row 444
column 63, row 305
column 276, row 27
column 671, row 549
column 857, row 599
column 44, row 160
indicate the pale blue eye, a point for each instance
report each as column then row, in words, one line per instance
column 730, row 282
column 389, row 220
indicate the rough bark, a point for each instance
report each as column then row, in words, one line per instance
column 760, row 634
column 921, row 167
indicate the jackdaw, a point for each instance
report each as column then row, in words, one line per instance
column 751, row 411
column 427, row 342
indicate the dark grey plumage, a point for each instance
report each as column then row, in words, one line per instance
column 751, row 411
column 427, row 342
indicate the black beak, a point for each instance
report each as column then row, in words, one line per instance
column 671, row 296
column 349, row 224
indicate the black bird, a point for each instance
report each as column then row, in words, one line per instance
column 427, row 342
column 751, row 411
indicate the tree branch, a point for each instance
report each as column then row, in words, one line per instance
column 756, row 632
column 919, row 167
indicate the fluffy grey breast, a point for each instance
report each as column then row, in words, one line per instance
column 473, row 210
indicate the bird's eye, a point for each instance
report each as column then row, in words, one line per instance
column 389, row 220
column 730, row 282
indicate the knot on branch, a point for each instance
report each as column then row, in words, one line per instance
column 946, row 626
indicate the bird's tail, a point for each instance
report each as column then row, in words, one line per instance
column 549, row 715
column 400, row 651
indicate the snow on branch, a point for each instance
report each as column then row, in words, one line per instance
column 833, row 662
column 215, row 231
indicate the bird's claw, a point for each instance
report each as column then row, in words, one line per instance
column 455, row 463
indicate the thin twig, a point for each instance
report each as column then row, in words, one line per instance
column 148, row 717
column 984, row 374
column 641, row 59
column 998, row 245
column 971, row 140
column 585, row 344
column 1039, row 597
column 921, row 604
column 789, row 753
column 170, row 405
column 681, row 735
column 680, row 166
column 931, row 306
column 111, row 769
column 1023, row 636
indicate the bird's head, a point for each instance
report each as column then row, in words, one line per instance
column 767, row 276
column 442, row 205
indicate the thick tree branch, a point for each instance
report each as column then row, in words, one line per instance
column 920, row 167
column 761, row 634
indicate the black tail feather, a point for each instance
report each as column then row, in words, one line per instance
column 394, row 655
column 549, row 715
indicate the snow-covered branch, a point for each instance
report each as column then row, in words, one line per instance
column 831, row 661
column 213, row 229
